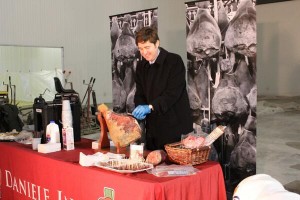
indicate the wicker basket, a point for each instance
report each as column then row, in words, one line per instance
column 184, row 156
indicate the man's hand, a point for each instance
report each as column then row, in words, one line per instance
column 141, row 111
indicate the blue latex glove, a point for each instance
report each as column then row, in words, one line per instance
column 141, row 111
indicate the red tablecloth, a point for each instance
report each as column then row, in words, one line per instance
column 27, row 174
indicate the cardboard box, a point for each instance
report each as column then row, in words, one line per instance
column 68, row 138
column 49, row 147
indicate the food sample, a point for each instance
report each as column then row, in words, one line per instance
column 193, row 142
column 124, row 166
column 156, row 157
column 137, row 152
column 8, row 135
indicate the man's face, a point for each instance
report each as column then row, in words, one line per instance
column 148, row 50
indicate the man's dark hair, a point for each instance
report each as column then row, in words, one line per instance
column 146, row 34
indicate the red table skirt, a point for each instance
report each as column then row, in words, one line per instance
column 27, row 174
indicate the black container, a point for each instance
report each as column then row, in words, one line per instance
column 40, row 116
column 44, row 112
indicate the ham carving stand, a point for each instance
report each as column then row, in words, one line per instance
column 103, row 140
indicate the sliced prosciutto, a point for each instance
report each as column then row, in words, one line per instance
column 193, row 142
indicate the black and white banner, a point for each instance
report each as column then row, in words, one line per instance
column 124, row 54
column 221, row 50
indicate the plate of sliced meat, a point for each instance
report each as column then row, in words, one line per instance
column 8, row 136
column 124, row 166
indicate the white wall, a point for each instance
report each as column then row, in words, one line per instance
column 82, row 28
column 24, row 59
column 31, row 70
column 278, row 55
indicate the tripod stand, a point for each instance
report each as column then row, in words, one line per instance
column 10, row 89
column 89, row 120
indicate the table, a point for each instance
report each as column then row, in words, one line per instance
column 27, row 174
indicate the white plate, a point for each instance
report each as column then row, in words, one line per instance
column 8, row 136
column 113, row 165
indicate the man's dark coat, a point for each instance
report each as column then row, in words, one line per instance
column 163, row 85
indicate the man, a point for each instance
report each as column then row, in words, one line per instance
column 161, row 96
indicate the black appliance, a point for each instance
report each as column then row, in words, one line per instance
column 44, row 112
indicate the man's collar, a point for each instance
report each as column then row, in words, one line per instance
column 160, row 59
column 162, row 56
column 151, row 62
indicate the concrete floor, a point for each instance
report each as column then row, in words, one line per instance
column 278, row 140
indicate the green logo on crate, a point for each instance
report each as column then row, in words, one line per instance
column 109, row 194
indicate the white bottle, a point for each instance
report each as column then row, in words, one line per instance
column 52, row 133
